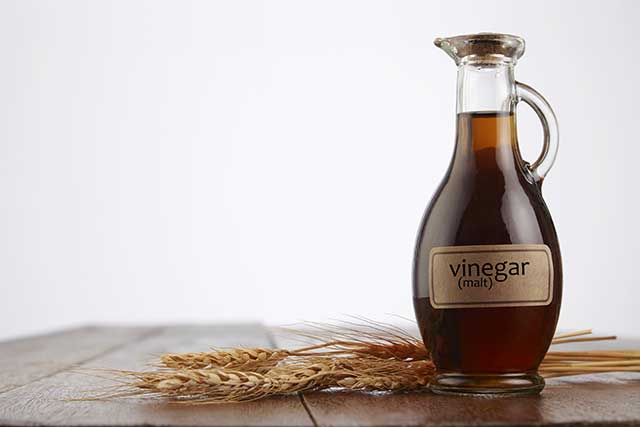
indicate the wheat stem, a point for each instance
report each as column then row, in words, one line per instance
column 374, row 357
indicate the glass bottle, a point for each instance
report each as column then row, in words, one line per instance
column 487, row 272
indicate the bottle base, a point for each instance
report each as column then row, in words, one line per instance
column 487, row 384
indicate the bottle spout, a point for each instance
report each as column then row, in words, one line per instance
column 448, row 47
column 482, row 48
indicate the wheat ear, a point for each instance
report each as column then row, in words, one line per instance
column 258, row 360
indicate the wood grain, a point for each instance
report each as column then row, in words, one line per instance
column 589, row 404
column 29, row 359
column 42, row 402
column 37, row 383
column 597, row 400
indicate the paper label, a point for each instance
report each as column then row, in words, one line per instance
column 490, row 276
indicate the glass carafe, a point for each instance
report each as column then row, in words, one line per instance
column 487, row 276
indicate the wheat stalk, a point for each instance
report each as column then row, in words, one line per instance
column 369, row 356
column 258, row 360
column 362, row 339
column 299, row 374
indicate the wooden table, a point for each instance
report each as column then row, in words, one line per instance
column 36, row 380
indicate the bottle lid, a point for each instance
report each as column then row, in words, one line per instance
column 482, row 48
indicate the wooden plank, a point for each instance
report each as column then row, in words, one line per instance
column 612, row 399
column 603, row 399
column 43, row 402
column 587, row 404
column 26, row 360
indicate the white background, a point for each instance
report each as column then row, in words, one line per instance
column 235, row 161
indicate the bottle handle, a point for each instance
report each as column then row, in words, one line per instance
column 540, row 168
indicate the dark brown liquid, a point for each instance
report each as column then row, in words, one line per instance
column 487, row 197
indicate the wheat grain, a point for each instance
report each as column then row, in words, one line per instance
column 258, row 360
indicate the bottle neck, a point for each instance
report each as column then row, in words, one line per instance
column 485, row 88
column 486, row 134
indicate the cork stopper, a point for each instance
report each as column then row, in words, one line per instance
column 482, row 48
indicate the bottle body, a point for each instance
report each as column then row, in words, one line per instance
column 488, row 199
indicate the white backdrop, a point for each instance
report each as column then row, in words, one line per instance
column 234, row 161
